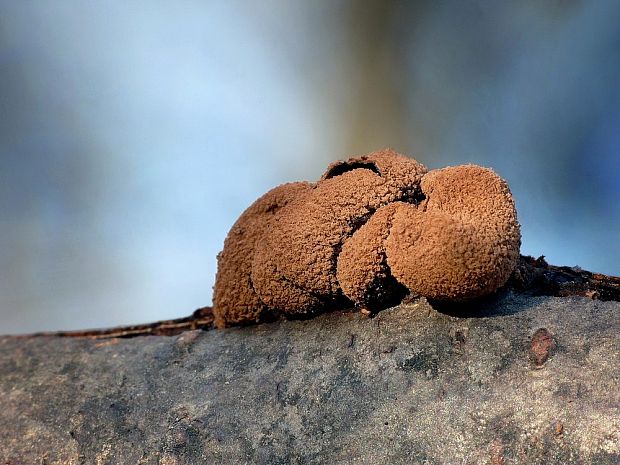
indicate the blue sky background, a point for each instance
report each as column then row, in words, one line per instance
column 133, row 134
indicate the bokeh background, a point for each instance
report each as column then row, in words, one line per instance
column 132, row 134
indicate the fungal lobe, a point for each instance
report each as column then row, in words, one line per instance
column 234, row 296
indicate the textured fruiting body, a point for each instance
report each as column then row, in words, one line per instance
column 363, row 271
column 371, row 229
column 234, row 295
column 294, row 269
column 463, row 240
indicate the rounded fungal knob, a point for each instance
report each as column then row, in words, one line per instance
column 462, row 241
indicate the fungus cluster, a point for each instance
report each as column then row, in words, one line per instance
column 371, row 230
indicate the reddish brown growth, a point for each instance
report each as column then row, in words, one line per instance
column 371, row 229
column 541, row 347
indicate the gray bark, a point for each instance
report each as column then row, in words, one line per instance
column 513, row 380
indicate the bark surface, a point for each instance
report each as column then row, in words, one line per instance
column 514, row 379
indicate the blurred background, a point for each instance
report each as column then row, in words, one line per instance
column 133, row 134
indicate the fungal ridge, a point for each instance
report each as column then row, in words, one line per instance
column 339, row 168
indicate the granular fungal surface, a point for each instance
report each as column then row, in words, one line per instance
column 371, row 230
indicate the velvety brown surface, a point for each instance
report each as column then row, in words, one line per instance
column 294, row 267
column 462, row 242
column 363, row 272
column 371, row 226
column 234, row 295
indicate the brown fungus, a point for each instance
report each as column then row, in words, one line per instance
column 294, row 268
column 372, row 228
column 462, row 242
column 234, row 298
column 363, row 272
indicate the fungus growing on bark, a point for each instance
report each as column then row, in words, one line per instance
column 371, row 229
column 234, row 295
column 294, row 269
